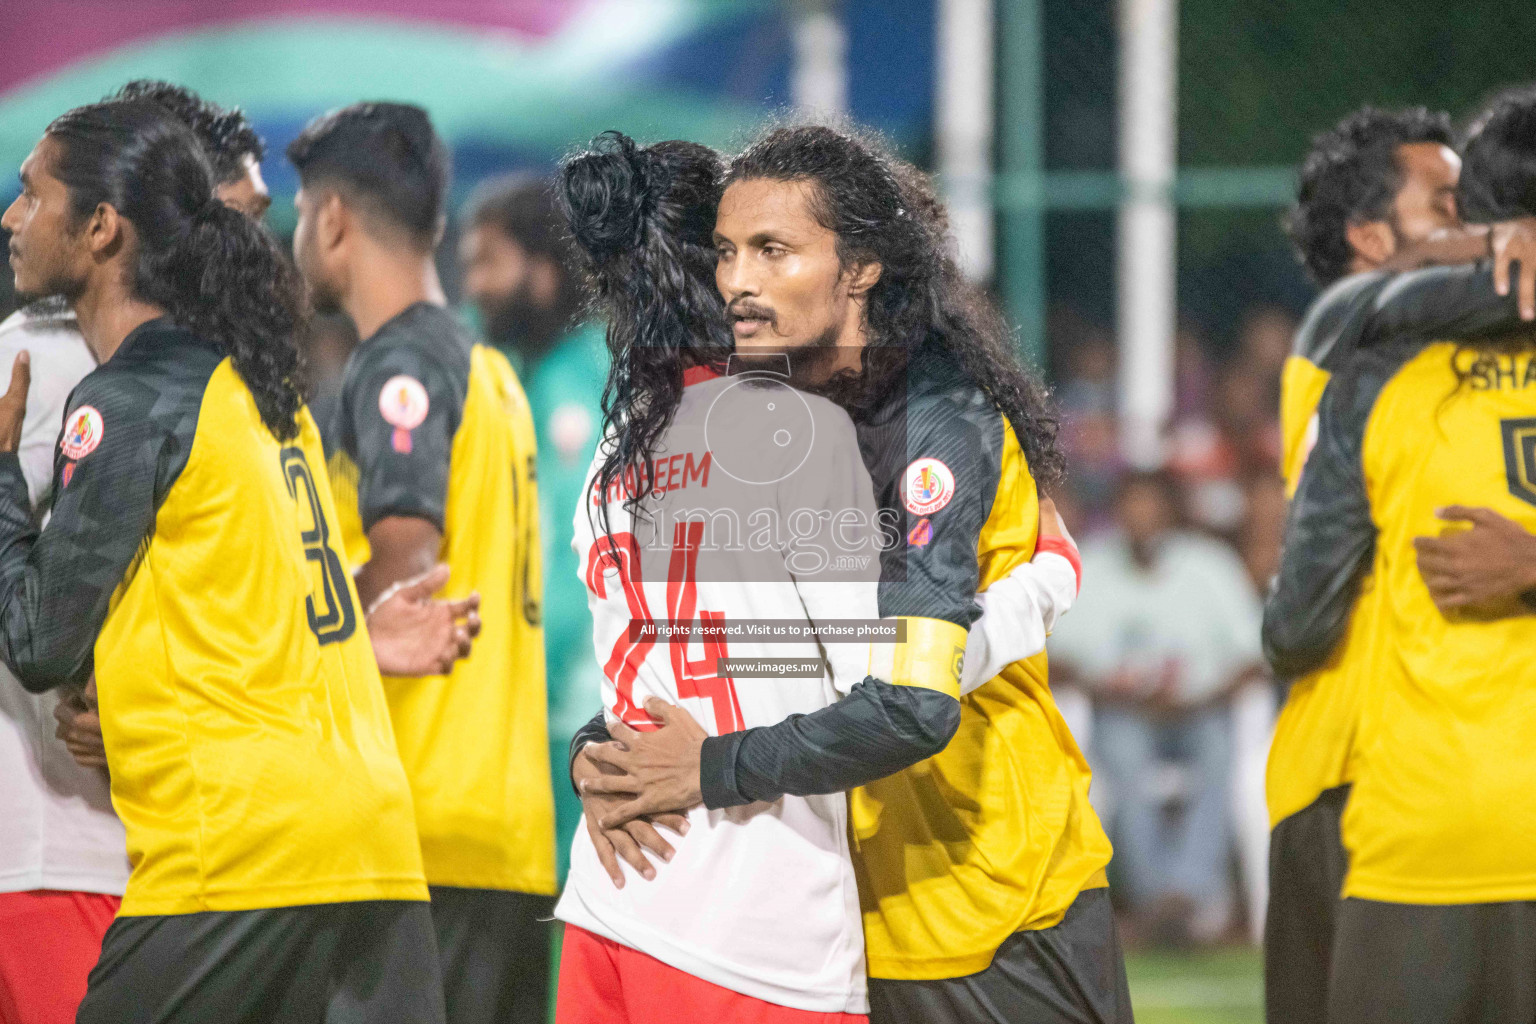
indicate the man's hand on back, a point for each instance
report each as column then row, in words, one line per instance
column 658, row 769
column 1514, row 241
column 1494, row 560
column 1051, row 523
column 629, row 840
column 1507, row 243
column 80, row 726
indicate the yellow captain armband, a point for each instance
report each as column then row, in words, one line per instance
column 928, row 653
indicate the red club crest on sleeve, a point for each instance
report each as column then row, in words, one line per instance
column 404, row 404
column 82, row 433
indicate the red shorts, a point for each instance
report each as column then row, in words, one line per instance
column 602, row 982
column 49, row 941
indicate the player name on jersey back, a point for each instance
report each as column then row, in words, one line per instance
column 760, row 899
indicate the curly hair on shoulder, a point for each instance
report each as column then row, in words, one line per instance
column 643, row 220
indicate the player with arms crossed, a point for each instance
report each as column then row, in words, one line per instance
column 269, row 823
column 985, row 863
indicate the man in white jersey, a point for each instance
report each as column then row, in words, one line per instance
column 718, row 912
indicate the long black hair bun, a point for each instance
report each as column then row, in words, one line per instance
column 607, row 194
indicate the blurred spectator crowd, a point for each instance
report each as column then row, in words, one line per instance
column 1158, row 668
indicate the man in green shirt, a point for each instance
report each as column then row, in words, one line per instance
column 519, row 275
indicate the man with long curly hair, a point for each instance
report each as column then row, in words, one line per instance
column 190, row 542
column 981, row 868
column 63, row 862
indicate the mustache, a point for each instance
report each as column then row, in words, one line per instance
column 747, row 309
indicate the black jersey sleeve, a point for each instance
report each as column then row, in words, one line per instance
column 1336, row 320
column 1330, row 538
column 403, row 407
column 954, row 445
column 1440, row 302
column 1375, row 307
column 936, row 465
column 876, row 730
column 56, row 585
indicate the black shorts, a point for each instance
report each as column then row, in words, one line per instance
column 494, row 950
column 1073, row 973
column 1307, row 864
column 1472, row 963
column 372, row 962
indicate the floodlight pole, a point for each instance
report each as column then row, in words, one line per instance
column 818, row 82
column 1146, row 315
column 963, row 91
column 1021, row 160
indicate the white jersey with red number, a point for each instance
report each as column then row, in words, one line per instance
column 761, row 513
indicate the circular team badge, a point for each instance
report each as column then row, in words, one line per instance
column 759, row 430
column 82, row 433
column 403, row 402
column 926, row 486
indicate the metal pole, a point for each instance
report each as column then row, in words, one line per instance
column 963, row 105
column 1021, row 153
column 1145, row 278
column 819, row 78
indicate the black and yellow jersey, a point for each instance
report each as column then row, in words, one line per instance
column 995, row 833
column 191, row 560
column 1442, row 763
column 1328, row 335
column 973, row 819
column 434, row 426
column 1311, row 748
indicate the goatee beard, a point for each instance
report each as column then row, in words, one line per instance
column 863, row 391
column 810, row 366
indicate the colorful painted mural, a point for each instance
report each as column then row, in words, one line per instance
column 508, row 84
